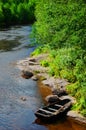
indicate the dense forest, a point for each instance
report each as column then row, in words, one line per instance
column 59, row 29
column 14, row 12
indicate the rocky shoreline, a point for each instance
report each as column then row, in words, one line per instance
column 31, row 68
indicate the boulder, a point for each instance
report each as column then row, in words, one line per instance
column 59, row 92
column 27, row 74
column 32, row 59
column 72, row 99
column 52, row 98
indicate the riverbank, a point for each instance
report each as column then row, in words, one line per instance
column 32, row 64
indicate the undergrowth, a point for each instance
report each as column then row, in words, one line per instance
column 69, row 63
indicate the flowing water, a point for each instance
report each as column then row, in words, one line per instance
column 15, row 113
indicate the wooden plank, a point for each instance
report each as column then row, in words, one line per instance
column 37, row 113
column 45, row 111
column 58, row 105
column 52, row 109
column 67, row 105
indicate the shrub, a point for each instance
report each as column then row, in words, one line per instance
column 17, row 12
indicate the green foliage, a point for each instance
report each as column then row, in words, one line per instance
column 70, row 64
column 16, row 12
column 72, row 88
column 61, row 25
column 37, row 51
column 1, row 19
column 81, row 105
column 7, row 13
column 40, row 50
column 44, row 63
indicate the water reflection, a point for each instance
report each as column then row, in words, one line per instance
column 7, row 45
column 14, row 37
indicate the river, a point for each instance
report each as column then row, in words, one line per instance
column 15, row 113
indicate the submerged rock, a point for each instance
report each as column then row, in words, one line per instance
column 23, row 98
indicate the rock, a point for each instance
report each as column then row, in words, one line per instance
column 27, row 74
column 33, row 63
column 32, row 59
column 59, row 92
column 34, row 78
column 73, row 100
column 23, row 98
column 77, row 116
column 52, row 98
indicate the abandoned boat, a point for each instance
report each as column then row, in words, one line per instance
column 54, row 110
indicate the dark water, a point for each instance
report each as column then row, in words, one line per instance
column 16, row 114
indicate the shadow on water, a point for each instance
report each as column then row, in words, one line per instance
column 8, row 45
column 15, row 38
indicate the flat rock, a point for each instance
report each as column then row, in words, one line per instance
column 59, row 92
column 55, row 83
column 76, row 116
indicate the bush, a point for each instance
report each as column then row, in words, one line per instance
column 1, row 19
column 61, row 23
column 17, row 12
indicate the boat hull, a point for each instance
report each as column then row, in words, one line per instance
column 54, row 111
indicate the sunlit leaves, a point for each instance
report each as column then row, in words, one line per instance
column 16, row 12
column 61, row 23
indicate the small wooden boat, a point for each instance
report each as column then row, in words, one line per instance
column 54, row 110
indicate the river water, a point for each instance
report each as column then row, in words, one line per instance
column 15, row 113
